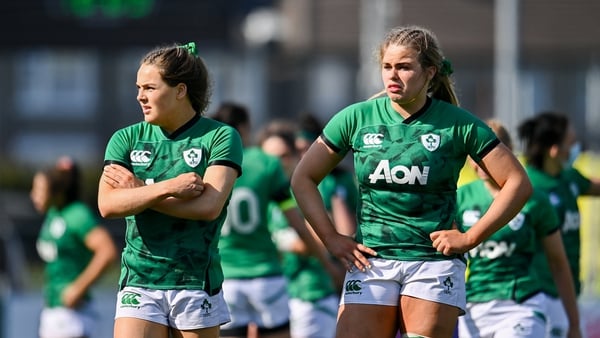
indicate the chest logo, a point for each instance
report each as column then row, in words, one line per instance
column 58, row 227
column 372, row 140
column 517, row 222
column 140, row 157
column 192, row 157
column 430, row 141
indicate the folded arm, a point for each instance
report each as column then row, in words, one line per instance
column 186, row 196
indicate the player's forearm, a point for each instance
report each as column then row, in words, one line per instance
column 93, row 271
column 199, row 208
column 122, row 202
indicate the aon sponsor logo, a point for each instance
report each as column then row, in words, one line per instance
column 399, row 174
column 493, row 249
column 572, row 221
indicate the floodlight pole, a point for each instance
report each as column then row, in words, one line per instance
column 506, row 56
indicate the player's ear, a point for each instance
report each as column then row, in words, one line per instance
column 430, row 73
column 554, row 151
column 181, row 90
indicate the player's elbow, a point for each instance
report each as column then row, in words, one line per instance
column 209, row 213
column 526, row 188
column 107, row 211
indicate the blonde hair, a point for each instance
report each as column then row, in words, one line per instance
column 425, row 43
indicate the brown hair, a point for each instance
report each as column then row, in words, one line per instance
column 540, row 133
column 285, row 130
column 178, row 65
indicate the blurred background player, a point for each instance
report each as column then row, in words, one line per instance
column 76, row 250
column 255, row 288
column 550, row 147
column 345, row 198
column 314, row 290
column 504, row 294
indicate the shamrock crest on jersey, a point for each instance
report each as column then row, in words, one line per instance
column 192, row 156
column 430, row 141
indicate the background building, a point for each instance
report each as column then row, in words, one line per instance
column 69, row 72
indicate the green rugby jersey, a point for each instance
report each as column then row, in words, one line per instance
column 161, row 251
column 500, row 266
column 246, row 247
column 345, row 187
column 61, row 245
column 562, row 190
column 407, row 170
column 307, row 278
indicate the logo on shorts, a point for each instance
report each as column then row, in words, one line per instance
column 520, row 330
column 206, row 306
column 353, row 287
column 557, row 332
column 130, row 299
column 448, row 284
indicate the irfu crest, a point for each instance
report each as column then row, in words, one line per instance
column 430, row 141
column 192, row 157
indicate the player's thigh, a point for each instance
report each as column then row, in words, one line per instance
column 427, row 318
column 209, row 332
column 128, row 327
column 366, row 320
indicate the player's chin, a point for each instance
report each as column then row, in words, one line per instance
column 150, row 118
column 398, row 98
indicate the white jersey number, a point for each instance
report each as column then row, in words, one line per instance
column 243, row 214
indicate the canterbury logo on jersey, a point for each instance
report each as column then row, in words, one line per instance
column 192, row 157
column 372, row 140
column 130, row 299
column 430, row 141
column 399, row 174
column 140, row 157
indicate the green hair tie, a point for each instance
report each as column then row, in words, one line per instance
column 191, row 48
column 446, row 68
